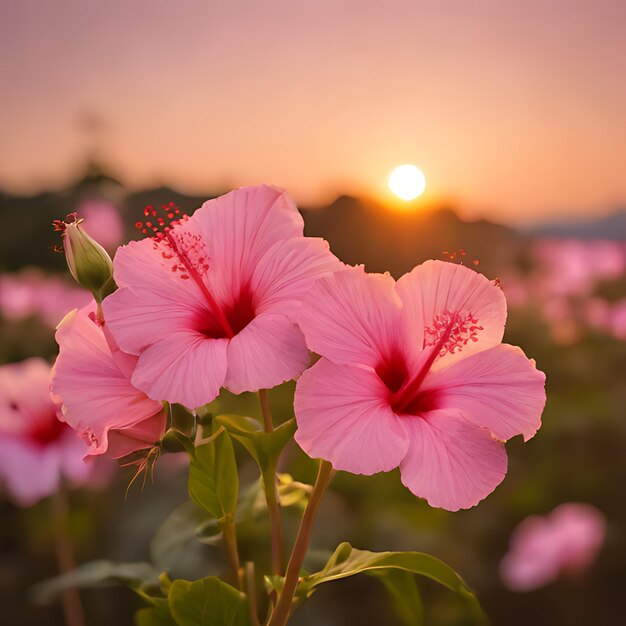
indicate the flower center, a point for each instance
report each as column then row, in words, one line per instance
column 47, row 430
column 238, row 315
column 393, row 372
column 449, row 333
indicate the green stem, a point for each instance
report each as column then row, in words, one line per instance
column 70, row 598
column 268, row 422
column 251, row 593
column 229, row 534
column 271, row 494
column 282, row 610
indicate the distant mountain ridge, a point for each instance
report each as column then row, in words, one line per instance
column 612, row 226
column 362, row 231
column 358, row 230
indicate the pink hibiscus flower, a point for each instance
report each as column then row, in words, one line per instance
column 91, row 381
column 566, row 541
column 211, row 301
column 37, row 451
column 414, row 375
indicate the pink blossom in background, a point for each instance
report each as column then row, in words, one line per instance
column 562, row 285
column 574, row 267
column 616, row 321
column 91, row 380
column 542, row 549
column 212, row 301
column 38, row 453
column 30, row 293
column 102, row 221
column 596, row 312
column 413, row 374
column 517, row 289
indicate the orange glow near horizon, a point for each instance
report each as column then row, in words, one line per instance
column 514, row 110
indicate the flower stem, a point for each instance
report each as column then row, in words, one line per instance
column 271, row 495
column 268, row 422
column 282, row 610
column 64, row 547
column 229, row 534
column 251, row 593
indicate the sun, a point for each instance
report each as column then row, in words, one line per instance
column 407, row 182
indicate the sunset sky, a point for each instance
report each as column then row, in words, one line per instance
column 513, row 110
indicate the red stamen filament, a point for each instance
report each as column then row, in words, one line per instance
column 163, row 233
column 213, row 304
column 405, row 396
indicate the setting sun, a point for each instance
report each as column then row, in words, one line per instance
column 407, row 182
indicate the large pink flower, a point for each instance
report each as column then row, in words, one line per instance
column 211, row 301
column 91, row 380
column 566, row 541
column 37, row 451
column 414, row 375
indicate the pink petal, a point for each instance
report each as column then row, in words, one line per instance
column 451, row 463
column 96, row 395
column 343, row 417
column 499, row 389
column 288, row 270
column 581, row 530
column 352, row 317
column 544, row 547
column 24, row 397
column 71, row 450
column 267, row 352
column 239, row 228
column 437, row 287
column 534, row 557
column 185, row 367
column 152, row 300
column 29, row 472
column 143, row 435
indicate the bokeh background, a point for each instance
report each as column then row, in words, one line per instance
column 515, row 114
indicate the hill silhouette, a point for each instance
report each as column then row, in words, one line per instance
column 359, row 231
column 612, row 226
column 362, row 231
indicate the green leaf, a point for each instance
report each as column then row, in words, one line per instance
column 174, row 548
column 98, row 574
column 158, row 614
column 264, row 447
column 348, row 561
column 404, row 594
column 213, row 479
column 207, row 602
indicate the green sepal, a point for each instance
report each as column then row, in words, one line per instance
column 264, row 447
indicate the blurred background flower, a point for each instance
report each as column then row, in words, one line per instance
column 564, row 543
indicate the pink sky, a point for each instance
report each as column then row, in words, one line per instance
column 513, row 110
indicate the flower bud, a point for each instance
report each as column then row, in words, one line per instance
column 87, row 260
